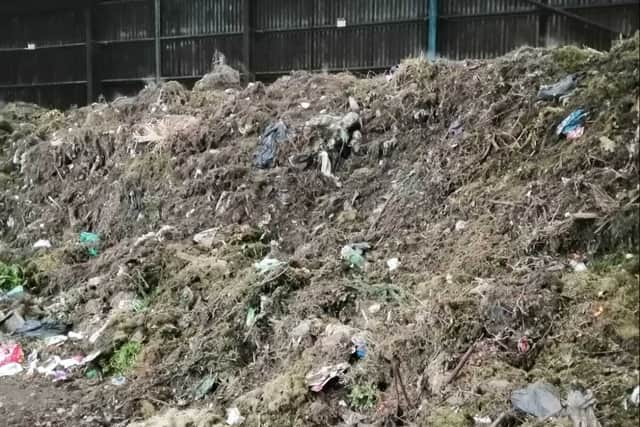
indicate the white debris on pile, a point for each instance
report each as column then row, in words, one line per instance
column 393, row 264
column 42, row 244
column 233, row 417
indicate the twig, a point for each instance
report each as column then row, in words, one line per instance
column 377, row 219
column 461, row 363
column 396, row 369
column 498, row 422
column 56, row 204
column 273, row 277
column 504, row 202
column 161, row 402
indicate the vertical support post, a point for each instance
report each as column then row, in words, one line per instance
column 88, row 28
column 543, row 19
column 433, row 30
column 247, row 39
column 156, row 20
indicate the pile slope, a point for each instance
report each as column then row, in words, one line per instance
column 217, row 284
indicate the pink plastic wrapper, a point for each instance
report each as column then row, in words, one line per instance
column 10, row 353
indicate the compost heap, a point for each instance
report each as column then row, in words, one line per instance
column 327, row 250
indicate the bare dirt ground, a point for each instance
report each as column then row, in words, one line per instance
column 231, row 282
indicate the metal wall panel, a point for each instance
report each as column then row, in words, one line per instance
column 56, row 96
column 280, row 36
column 123, row 20
column 191, row 58
column 41, row 28
column 196, row 17
column 337, row 35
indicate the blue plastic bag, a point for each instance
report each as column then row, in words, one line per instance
column 572, row 126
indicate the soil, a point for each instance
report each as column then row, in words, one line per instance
column 453, row 168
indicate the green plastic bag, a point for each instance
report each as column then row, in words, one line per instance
column 91, row 241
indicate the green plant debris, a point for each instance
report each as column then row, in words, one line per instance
column 124, row 358
column 11, row 276
column 363, row 396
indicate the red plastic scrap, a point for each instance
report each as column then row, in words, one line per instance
column 523, row 345
column 11, row 353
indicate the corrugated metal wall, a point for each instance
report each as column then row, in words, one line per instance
column 60, row 53
column 336, row 34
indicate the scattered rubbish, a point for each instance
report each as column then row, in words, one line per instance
column 90, row 357
column 353, row 104
column 597, row 310
column 15, row 293
column 578, row 266
column 233, row 417
column 539, row 399
column 455, row 129
column 523, row 345
column 50, row 367
column 118, row 381
column 11, row 353
column 353, row 256
column 92, row 374
column 267, row 152
column 251, row 317
column 335, row 130
column 42, row 244
column 204, row 387
column 374, row 308
column 482, row 420
column 316, row 380
column 580, row 408
column 461, row 225
column 60, row 375
column 572, row 127
column 359, row 347
column 393, row 264
column 41, row 329
column 558, row 89
column 305, row 105
column 10, row 369
column 268, row 265
column 91, row 242
column 421, row 115
column 207, row 238
column 75, row 335
column 634, row 398
column 390, row 73
column 325, row 167
column 32, row 362
column 55, row 340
